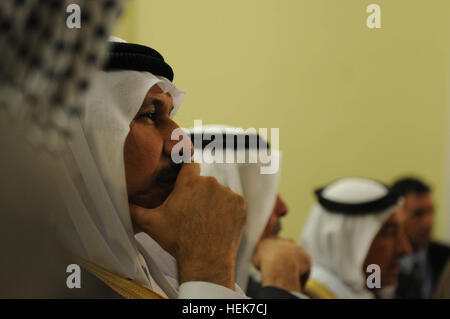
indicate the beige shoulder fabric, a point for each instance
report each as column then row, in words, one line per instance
column 443, row 287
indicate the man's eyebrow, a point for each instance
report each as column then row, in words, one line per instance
column 156, row 103
column 153, row 101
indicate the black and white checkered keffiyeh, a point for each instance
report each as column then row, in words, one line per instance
column 45, row 70
column 45, row 66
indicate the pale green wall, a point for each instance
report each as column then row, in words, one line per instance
column 348, row 100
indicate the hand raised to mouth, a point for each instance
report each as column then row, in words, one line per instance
column 200, row 224
column 283, row 263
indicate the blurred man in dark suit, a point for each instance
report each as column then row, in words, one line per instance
column 422, row 268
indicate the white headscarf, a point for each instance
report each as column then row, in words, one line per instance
column 338, row 243
column 260, row 191
column 92, row 177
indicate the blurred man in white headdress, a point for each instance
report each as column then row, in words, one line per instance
column 278, row 262
column 119, row 180
column 267, row 265
column 356, row 240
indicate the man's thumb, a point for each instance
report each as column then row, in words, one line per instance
column 188, row 170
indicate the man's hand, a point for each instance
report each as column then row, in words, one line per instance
column 200, row 224
column 282, row 263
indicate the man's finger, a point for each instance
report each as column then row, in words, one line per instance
column 189, row 169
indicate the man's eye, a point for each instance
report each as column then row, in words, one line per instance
column 148, row 115
column 391, row 233
column 418, row 213
column 388, row 231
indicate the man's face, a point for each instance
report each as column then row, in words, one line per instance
column 388, row 247
column 418, row 212
column 273, row 226
column 150, row 172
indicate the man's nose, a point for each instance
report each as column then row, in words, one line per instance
column 179, row 137
column 429, row 220
column 282, row 207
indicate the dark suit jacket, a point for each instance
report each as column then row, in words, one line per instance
column 437, row 257
column 255, row 291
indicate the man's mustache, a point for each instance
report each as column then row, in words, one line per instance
column 276, row 228
column 169, row 173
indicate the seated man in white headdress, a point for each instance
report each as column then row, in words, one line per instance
column 356, row 240
column 118, row 180
column 279, row 264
